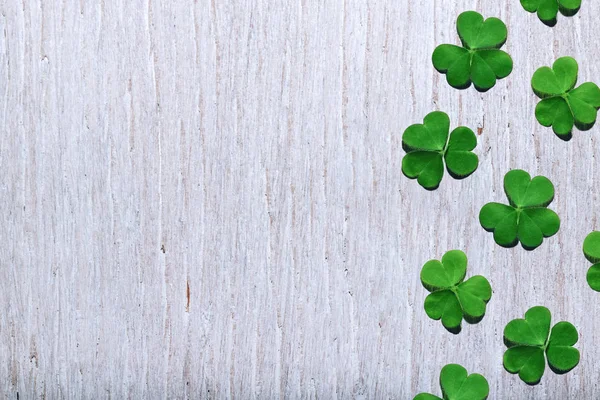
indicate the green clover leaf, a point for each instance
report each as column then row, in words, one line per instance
column 527, row 341
column 547, row 10
column 451, row 299
column 526, row 219
column 562, row 104
column 427, row 146
column 479, row 60
column 591, row 250
column 458, row 385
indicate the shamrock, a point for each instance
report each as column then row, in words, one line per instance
column 479, row 60
column 527, row 341
column 526, row 219
column 562, row 106
column 458, row 385
column 451, row 299
column 547, row 10
column 591, row 250
column 427, row 144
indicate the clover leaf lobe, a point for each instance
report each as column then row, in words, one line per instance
column 457, row 384
column 562, row 356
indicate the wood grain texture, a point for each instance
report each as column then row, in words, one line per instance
column 203, row 199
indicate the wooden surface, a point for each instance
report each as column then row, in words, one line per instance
column 203, row 199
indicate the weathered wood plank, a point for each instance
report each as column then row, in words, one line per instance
column 204, row 199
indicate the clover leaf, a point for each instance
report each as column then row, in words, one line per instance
column 456, row 384
column 591, row 250
column 427, row 145
column 526, row 219
column 451, row 299
column 527, row 341
column 479, row 60
column 562, row 104
column 547, row 10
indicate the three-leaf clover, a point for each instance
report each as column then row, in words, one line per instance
column 427, row 144
column 527, row 341
column 547, row 10
column 451, row 299
column 591, row 249
column 562, row 106
column 526, row 219
column 479, row 60
column 456, row 384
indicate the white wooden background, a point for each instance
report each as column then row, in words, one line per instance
column 203, row 199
